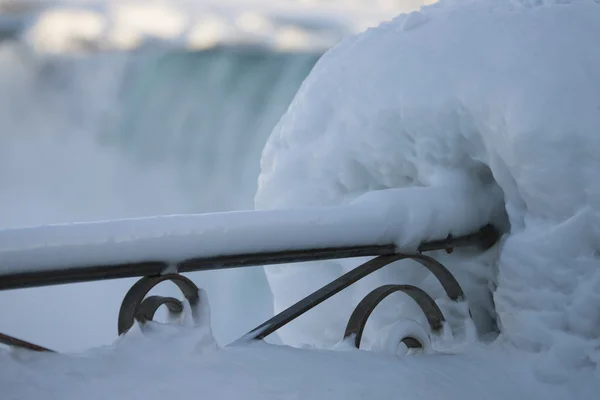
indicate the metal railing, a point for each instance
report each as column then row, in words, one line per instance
column 137, row 306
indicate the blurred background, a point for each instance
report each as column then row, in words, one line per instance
column 116, row 109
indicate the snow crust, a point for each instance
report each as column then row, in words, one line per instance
column 495, row 93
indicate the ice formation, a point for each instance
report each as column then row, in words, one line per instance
column 489, row 92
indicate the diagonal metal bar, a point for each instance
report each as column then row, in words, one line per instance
column 13, row 341
column 316, row 298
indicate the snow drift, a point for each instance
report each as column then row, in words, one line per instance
column 489, row 92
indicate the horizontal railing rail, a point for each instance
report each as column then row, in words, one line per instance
column 484, row 238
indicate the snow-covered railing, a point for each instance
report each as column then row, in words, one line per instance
column 162, row 248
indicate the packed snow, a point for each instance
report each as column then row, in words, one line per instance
column 177, row 362
column 498, row 93
column 468, row 110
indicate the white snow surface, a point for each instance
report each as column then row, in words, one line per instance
column 385, row 217
column 497, row 93
column 159, row 361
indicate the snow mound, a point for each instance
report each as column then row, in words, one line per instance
column 373, row 219
column 495, row 93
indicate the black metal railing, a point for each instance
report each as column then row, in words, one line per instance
column 136, row 306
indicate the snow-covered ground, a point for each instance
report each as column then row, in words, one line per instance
column 180, row 363
column 462, row 95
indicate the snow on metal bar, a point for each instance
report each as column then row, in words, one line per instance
column 385, row 218
column 72, row 274
column 172, row 239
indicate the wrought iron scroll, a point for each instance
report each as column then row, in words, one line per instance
column 362, row 312
column 136, row 306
